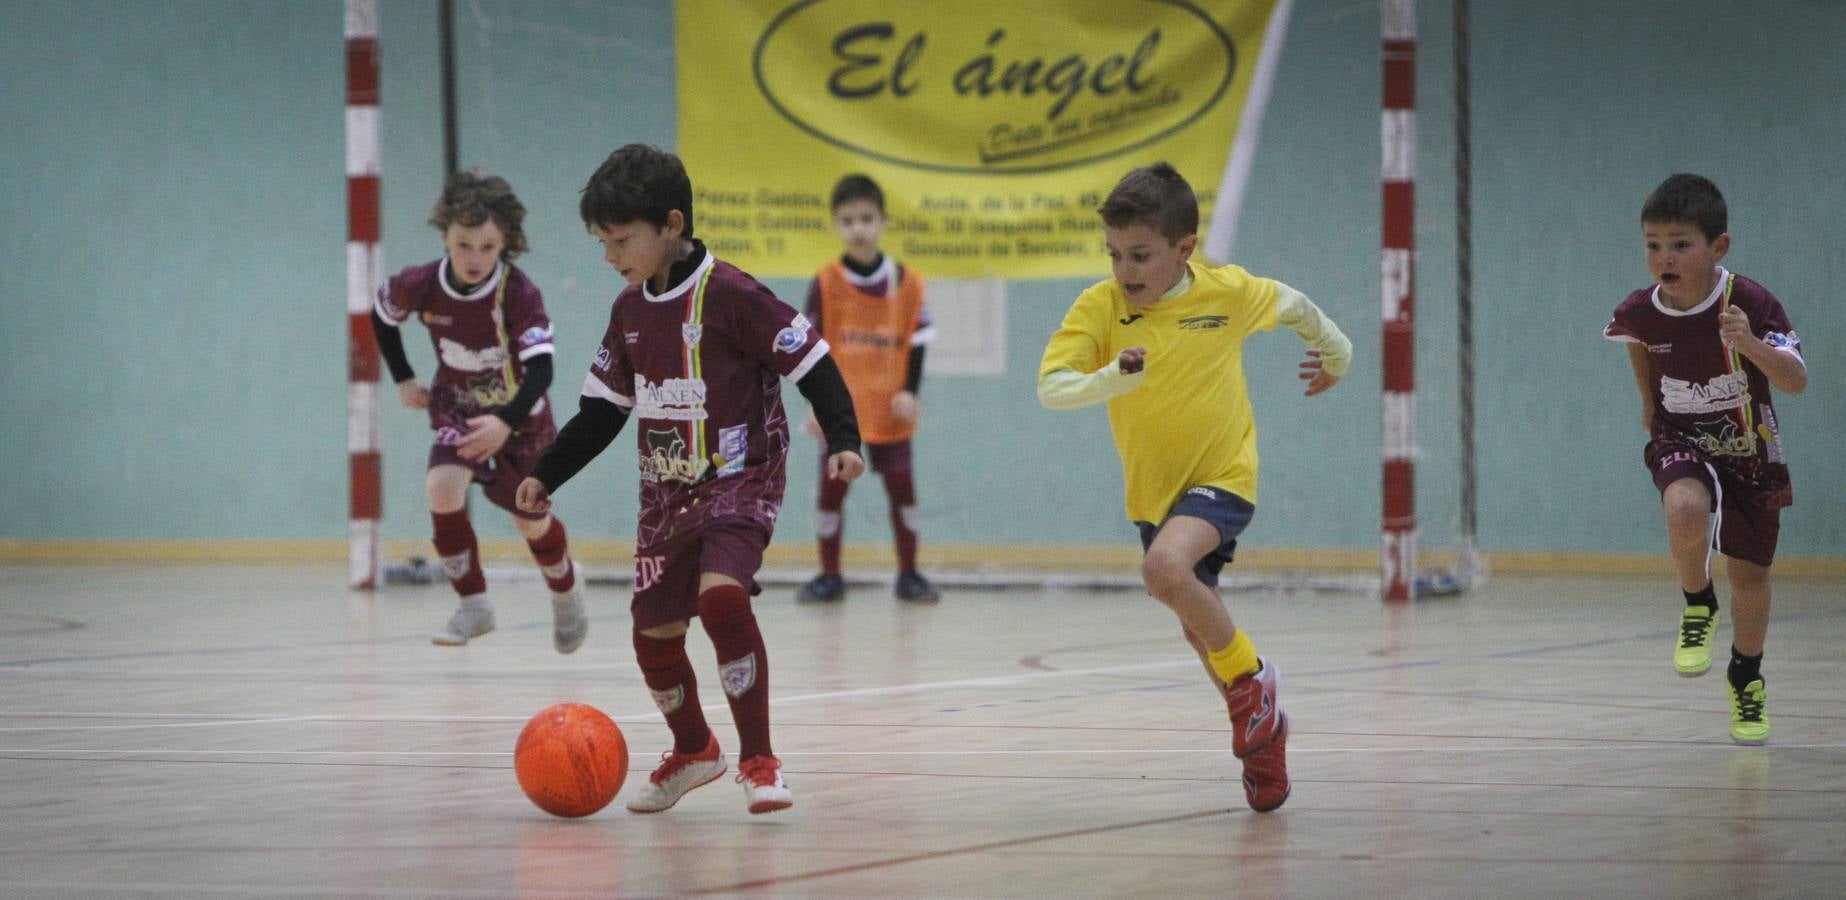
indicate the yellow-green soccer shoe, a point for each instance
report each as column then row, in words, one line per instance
column 1749, row 715
column 1692, row 655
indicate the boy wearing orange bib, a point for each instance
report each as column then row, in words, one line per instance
column 870, row 310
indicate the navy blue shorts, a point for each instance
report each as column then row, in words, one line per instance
column 1226, row 511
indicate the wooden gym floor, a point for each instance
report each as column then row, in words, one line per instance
column 196, row 730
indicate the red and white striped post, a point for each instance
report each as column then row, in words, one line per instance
column 362, row 271
column 1398, row 543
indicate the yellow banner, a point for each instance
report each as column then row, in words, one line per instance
column 994, row 128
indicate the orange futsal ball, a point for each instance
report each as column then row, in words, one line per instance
column 571, row 759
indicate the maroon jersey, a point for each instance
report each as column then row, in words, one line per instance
column 698, row 365
column 482, row 339
column 1710, row 400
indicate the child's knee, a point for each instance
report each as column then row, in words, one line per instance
column 1746, row 576
column 1687, row 504
column 1163, row 571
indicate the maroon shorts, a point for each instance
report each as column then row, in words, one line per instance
column 879, row 458
column 667, row 574
column 499, row 477
column 1748, row 525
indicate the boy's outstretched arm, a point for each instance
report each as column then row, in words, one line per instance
column 825, row 390
column 587, row 434
column 1071, row 389
column 1330, row 353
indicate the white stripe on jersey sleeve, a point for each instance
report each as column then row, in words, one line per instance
column 378, row 305
column 809, row 361
column 535, row 350
column 922, row 335
column 593, row 387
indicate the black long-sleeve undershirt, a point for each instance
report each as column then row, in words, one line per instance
column 825, row 389
column 391, row 347
column 537, row 381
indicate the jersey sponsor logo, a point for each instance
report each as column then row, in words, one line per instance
column 430, row 318
column 1203, row 491
column 666, row 459
column 1202, row 323
column 1728, row 391
column 1772, row 436
column 485, row 392
column 733, row 446
column 1660, row 348
column 679, row 399
column 1676, row 457
column 537, row 334
column 790, row 339
column 602, row 359
column 464, row 359
column 690, row 332
column 1724, row 437
column 632, row 337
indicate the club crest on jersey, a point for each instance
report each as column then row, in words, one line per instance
column 602, row 359
column 690, row 333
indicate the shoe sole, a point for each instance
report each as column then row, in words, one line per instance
column 443, row 640
column 682, row 794
column 768, row 806
column 1692, row 673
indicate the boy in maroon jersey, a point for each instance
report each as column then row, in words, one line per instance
column 487, row 402
column 694, row 351
column 1706, row 346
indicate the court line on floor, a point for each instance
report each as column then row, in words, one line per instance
column 1060, row 751
column 931, row 855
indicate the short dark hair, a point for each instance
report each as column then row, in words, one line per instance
column 471, row 197
column 1155, row 196
column 637, row 183
column 857, row 187
column 1688, row 198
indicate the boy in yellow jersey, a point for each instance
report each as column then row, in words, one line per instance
column 1162, row 344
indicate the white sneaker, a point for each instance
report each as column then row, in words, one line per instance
column 677, row 775
column 764, row 791
column 473, row 618
column 569, row 624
